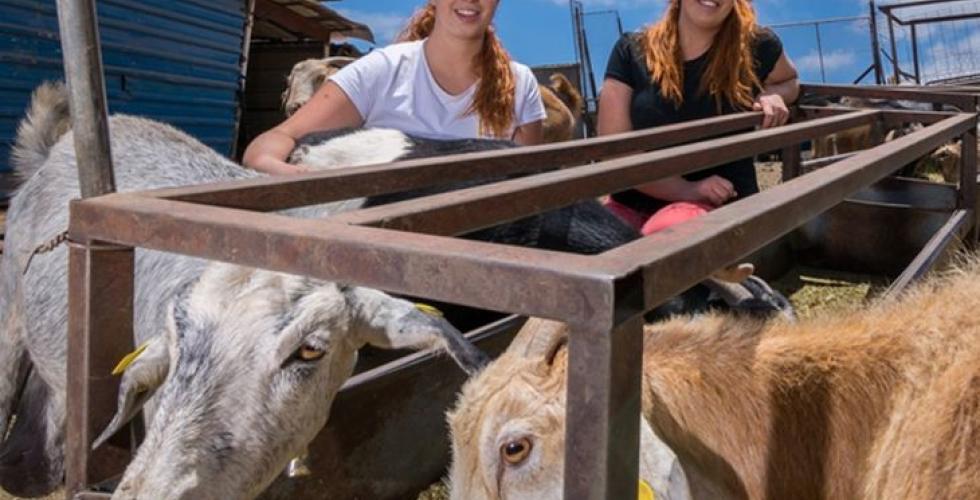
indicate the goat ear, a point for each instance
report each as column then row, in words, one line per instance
column 539, row 339
column 142, row 376
column 392, row 323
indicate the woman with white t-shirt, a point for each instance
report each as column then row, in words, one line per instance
column 450, row 78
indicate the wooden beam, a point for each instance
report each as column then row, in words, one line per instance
column 286, row 18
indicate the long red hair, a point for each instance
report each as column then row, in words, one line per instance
column 730, row 75
column 494, row 99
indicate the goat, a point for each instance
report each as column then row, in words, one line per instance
column 563, row 105
column 282, row 344
column 882, row 402
column 306, row 77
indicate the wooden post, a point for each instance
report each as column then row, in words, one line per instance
column 82, row 56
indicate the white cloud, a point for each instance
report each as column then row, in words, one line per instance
column 612, row 3
column 834, row 60
column 385, row 26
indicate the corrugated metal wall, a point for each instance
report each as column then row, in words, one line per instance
column 176, row 61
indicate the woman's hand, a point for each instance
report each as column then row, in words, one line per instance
column 715, row 190
column 774, row 110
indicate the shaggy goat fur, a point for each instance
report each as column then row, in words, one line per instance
column 883, row 402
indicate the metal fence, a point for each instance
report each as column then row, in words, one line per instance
column 932, row 41
column 833, row 56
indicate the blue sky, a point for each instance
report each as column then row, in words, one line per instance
column 539, row 32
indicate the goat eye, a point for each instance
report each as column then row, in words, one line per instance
column 310, row 353
column 515, row 452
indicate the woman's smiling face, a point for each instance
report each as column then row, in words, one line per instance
column 468, row 19
column 706, row 14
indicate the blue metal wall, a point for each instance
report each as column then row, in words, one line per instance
column 176, row 61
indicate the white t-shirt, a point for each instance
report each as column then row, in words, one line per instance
column 394, row 88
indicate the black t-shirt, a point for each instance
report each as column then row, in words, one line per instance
column 627, row 64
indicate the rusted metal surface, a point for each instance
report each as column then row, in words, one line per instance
column 483, row 206
column 602, row 423
column 100, row 332
column 601, row 297
column 968, row 169
column 276, row 193
column 470, row 273
column 965, row 102
column 674, row 259
column 792, row 162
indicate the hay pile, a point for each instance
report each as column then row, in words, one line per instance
column 437, row 491
column 818, row 291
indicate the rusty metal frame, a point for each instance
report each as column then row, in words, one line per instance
column 409, row 248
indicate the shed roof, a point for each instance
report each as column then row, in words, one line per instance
column 295, row 20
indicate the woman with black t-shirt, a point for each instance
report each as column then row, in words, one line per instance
column 704, row 58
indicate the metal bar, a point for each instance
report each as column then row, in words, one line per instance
column 875, row 44
column 968, row 174
column 242, row 72
column 891, row 37
column 940, row 19
column 792, row 162
column 811, row 165
column 863, row 74
column 915, row 55
column 483, row 206
column 100, row 333
column 277, row 192
column 968, row 169
column 919, row 3
column 77, row 22
column 828, row 20
column 675, row 259
column 937, row 247
column 538, row 282
column 823, row 73
column 603, row 412
column 964, row 102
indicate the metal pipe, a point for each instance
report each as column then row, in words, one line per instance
column 82, row 55
column 875, row 44
column 823, row 73
column 915, row 55
column 891, row 37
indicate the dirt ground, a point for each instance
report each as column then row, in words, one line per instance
column 58, row 495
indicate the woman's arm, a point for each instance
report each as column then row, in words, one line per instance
column 781, row 86
column 614, row 107
column 529, row 133
column 329, row 108
column 614, row 118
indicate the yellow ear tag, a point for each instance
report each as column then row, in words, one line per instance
column 427, row 309
column 128, row 359
column 645, row 492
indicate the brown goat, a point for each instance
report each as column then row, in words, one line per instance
column 564, row 106
column 882, row 402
